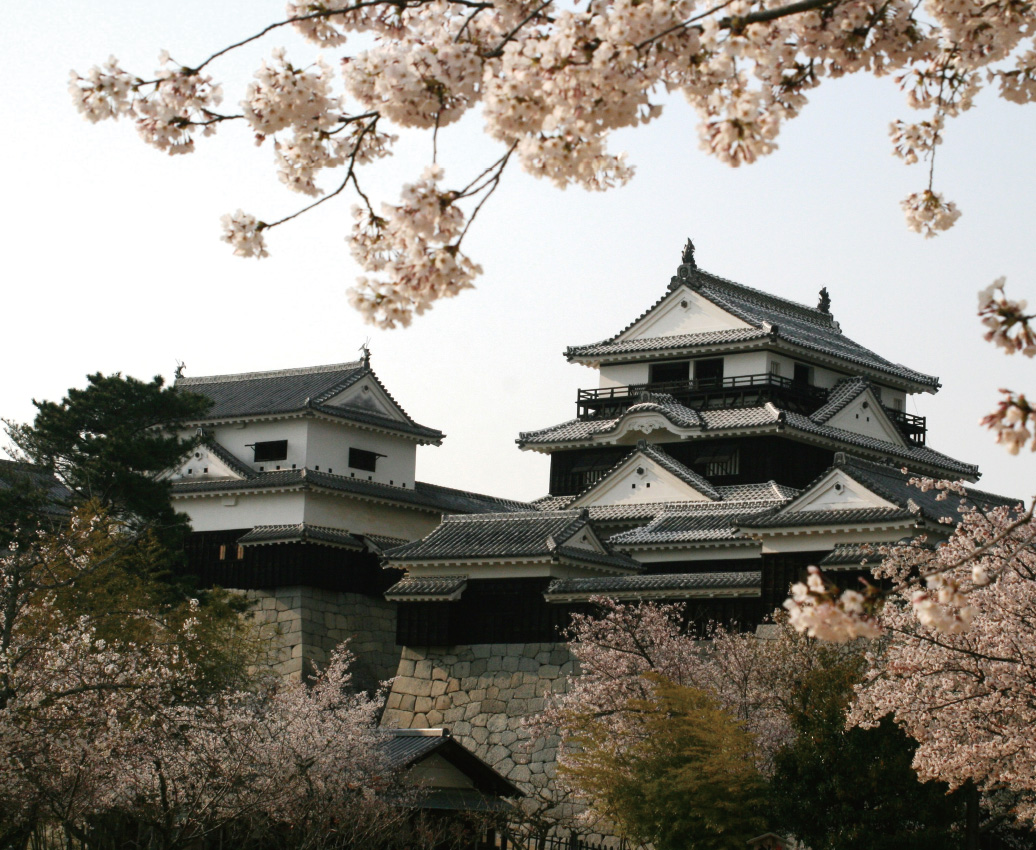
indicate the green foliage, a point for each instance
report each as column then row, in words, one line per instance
column 684, row 778
column 108, row 443
column 854, row 789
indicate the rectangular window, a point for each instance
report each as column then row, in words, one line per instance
column 362, row 459
column 664, row 373
column 803, row 374
column 708, row 373
column 775, row 367
column 270, row 450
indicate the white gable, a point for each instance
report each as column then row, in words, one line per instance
column 639, row 481
column 201, row 464
column 365, row 394
column 838, row 492
column 684, row 311
column 864, row 415
column 584, row 538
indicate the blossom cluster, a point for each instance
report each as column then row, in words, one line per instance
column 822, row 611
column 554, row 82
column 414, row 249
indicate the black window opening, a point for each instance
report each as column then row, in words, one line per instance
column 363, row 459
column 708, row 373
column 803, row 374
column 664, row 373
column 270, row 450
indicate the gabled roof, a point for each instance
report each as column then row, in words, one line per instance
column 772, row 319
column 427, row 496
column 666, row 586
column 850, row 556
column 903, row 501
column 841, row 394
column 406, row 748
column 521, row 535
column 303, row 390
column 764, row 418
column 670, row 464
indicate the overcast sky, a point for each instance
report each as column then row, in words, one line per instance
column 112, row 259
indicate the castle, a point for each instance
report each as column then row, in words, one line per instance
column 734, row 438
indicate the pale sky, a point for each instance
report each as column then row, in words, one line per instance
column 112, row 259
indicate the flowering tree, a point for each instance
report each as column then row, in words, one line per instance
column 960, row 676
column 553, row 81
column 110, row 736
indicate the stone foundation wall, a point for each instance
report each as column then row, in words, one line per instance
column 302, row 625
column 483, row 693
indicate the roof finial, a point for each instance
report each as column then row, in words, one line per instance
column 824, row 305
column 365, row 352
column 688, row 255
column 180, row 367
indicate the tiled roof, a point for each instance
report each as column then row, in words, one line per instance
column 684, row 473
column 232, row 462
column 664, row 343
column 727, row 419
column 858, row 516
column 530, row 534
column 852, row 556
column 715, row 522
column 404, row 748
column 296, row 390
column 768, row 315
column 768, row 492
column 676, row 585
column 381, row 543
column 432, row 496
column 299, row 533
column 44, row 484
column 887, row 481
column 840, row 395
column 437, row 589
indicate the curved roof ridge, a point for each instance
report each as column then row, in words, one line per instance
column 274, row 373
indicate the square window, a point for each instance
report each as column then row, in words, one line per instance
column 270, row 450
column 364, row 460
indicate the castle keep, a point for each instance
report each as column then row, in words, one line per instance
column 733, row 439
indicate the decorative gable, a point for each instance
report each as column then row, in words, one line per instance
column 865, row 415
column 683, row 311
column 640, row 480
column 583, row 538
column 367, row 394
column 838, row 492
column 209, row 461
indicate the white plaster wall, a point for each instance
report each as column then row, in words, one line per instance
column 361, row 517
column 214, row 513
column 624, row 374
column 822, row 377
column 868, row 421
column 329, row 444
column 745, row 363
column 628, row 487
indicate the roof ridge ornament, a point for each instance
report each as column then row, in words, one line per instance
column 824, row 304
column 687, row 272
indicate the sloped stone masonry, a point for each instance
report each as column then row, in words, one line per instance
column 483, row 693
column 303, row 625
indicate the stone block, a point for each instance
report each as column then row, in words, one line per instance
column 434, row 719
column 519, row 773
column 479, row 734
column 497, row 754
column 481, row 650
column 508, row 738
column 496, row 723
column 494, row 706
column 462, row 669
column 419, row 722
column 560, row 657
column 509, row 663
column 423, row 705
column 437, row 687
column 550, row 671
column 406, row 667
column 442, row 703
column 407, row 701
column 438, row 674
column 393, row 700
column 528, row 665
column 461, row 727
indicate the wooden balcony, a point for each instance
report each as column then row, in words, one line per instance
column 704, row 394
column 739, row 391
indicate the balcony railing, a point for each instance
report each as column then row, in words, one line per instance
column 914, row 428
column 738, row 391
